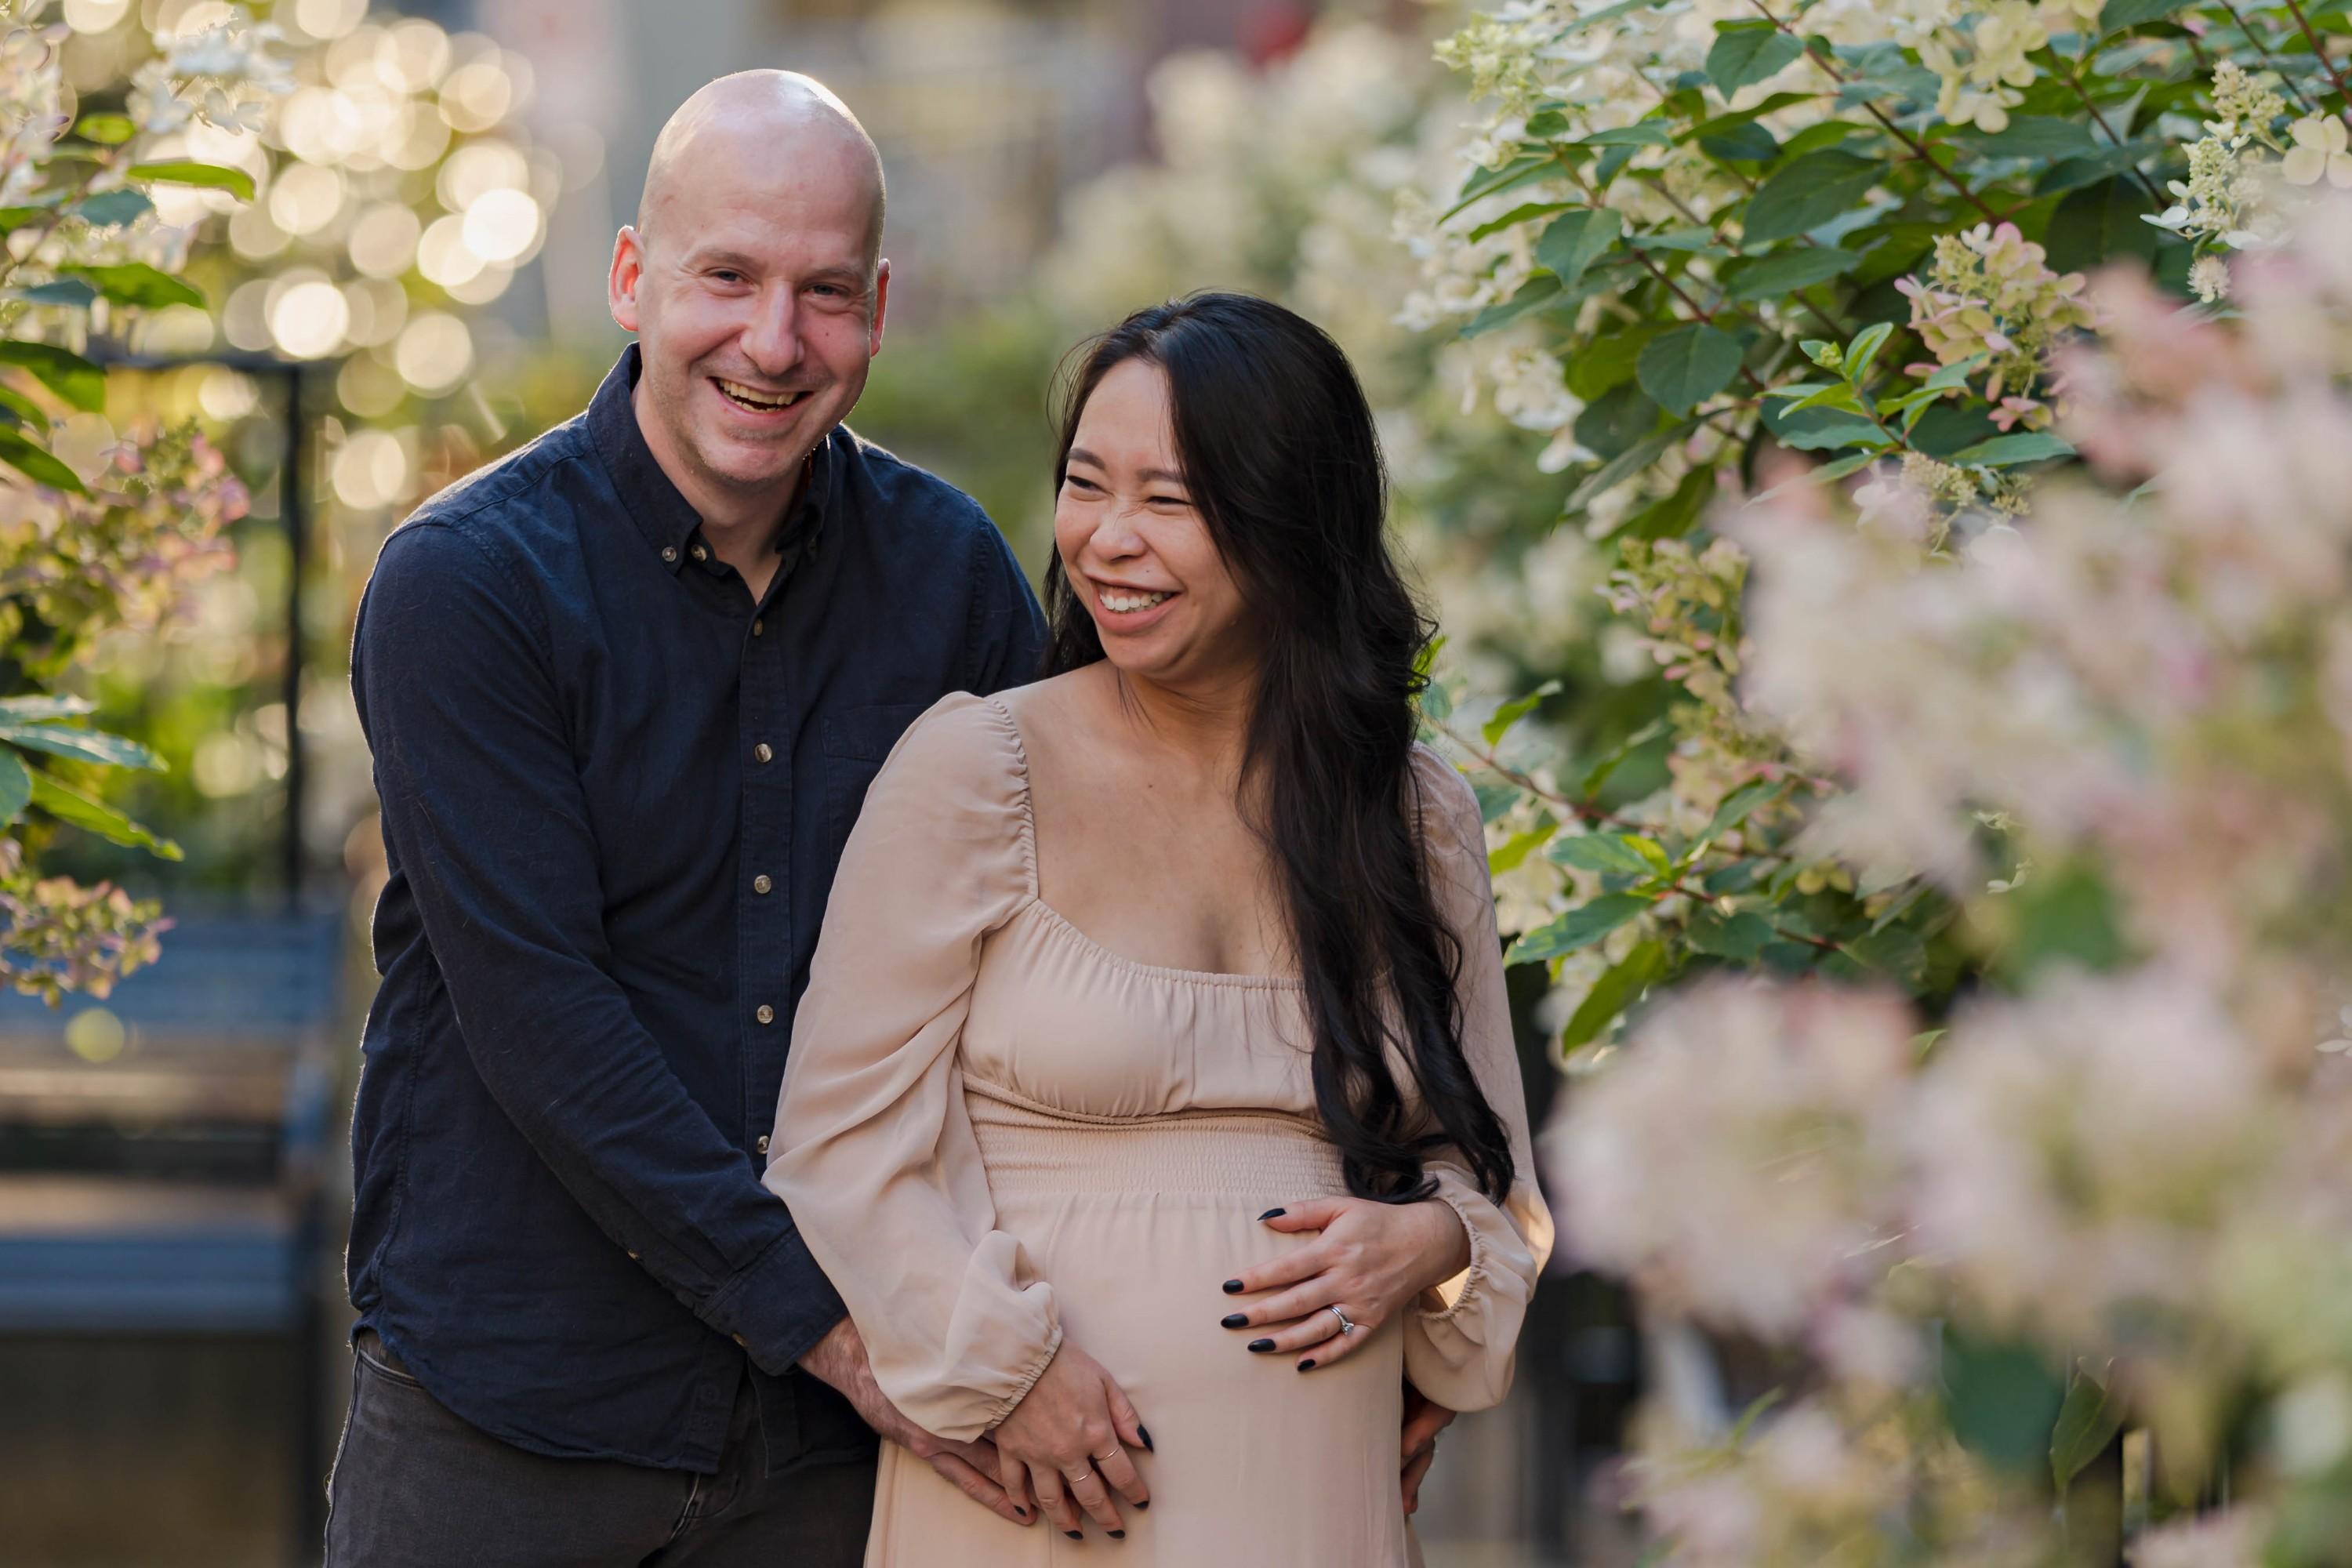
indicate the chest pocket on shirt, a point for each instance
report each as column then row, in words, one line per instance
column 856, row 740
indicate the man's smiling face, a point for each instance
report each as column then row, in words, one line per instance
column 755, row 290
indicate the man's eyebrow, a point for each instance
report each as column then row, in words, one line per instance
column 1164, row 475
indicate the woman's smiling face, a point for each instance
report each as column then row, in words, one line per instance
column 1135, row 550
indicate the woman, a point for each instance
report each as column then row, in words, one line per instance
column 1156, row 1045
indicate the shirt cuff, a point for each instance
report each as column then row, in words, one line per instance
column 778, row 1307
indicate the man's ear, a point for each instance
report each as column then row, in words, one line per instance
column 627, row 275
column 881, row 306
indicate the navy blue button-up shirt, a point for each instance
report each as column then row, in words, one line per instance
column 614, row 793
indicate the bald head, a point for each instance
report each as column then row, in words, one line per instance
column 740, row 127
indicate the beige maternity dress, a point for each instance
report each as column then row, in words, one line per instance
column 995, row 1133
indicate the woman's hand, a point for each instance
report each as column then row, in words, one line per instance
column 1066, row 1441
column 1369, row 1262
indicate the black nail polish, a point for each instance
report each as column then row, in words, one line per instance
column 1261, row 1345
column 1145, row 1433
column 1119, row 1535
column 1019, row 1509
column 1307, row 1366
column 1233, row 1287
column 1145, row 1503
column 1271, row 1213
column 1237, row 1320
column 1074, row 1535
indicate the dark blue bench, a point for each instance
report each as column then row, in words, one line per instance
column 162, row 1152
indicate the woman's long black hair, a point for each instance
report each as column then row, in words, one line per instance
column 1281, row 459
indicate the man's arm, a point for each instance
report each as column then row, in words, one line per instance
column 482, row 805
column 1008, row 640
column 840, row 1360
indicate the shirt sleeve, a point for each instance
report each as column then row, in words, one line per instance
column 872, row 1150
column 1460, row 1341
column 1008, row 640
column 485, row 818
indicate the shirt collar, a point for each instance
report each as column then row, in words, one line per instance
column 662, row 513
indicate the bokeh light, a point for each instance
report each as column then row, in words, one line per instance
column 435, row 351
column 306, row 198
column 307, row 319
column 370, row 470
column 443, row 255
column 501, row 225
column 95, row 16
column 383, row 241
column 329, row 18
column 478, row 168
column 478, row 95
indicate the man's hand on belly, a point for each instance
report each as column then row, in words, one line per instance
column 840, row 1360
column 1424, row 1420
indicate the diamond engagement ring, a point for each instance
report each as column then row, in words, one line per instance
column 1344, row 1327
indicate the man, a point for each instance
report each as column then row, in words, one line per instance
column 625, row 690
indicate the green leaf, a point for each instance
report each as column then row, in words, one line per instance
column 2087, row 168
column 1626, row 854
column 1490, row 182
column 2002, row 1399
column 1737, row 806
column 1897, row 952
column 137, row 284
column 188, row 172
column 1865, row 348
column 1641, row 133
column 1809, row 192
column 16, row 787
column 1784, row 272
column 70, row 293
column 2087, row 1421
column 1580, row 927
column 1615, row 420
column 82, row 745
column 1738, row 937
column 71, row 806
column 1608, row 361
column 1841, row 468
column 1833, row 431
column 1671, row 515
column 1617, row 989
column 2030, row 136
column 43, row 708
column 2023, row 447
column 1511, row 713
column 111, row 207
column 37, row 464
column 1508, row 856
column 2065, row 917
column 1695, row 239
column 68, row 374
column 1624, row 465
column 1746, row 52
column 1516, row 215
column 1616, row 756
column 1534, row 294
column 2118, row 15
column 1836, row 396
column 106, row 130
column 1684, row 367
column 1746, row 143
column 1436, row 703
column 2099, row 224
column 1575, row 240
column 26, row 410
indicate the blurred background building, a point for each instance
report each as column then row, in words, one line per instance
column 1050, row 165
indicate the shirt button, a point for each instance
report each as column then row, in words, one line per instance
column 763, row 1142
column 669, row 553
column 766, row 1015
column 700, row 553
column 737, row 1338
column 762, row 752
column 758, row 626
column 760, row 884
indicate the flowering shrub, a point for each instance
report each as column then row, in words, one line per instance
column 1949, row 944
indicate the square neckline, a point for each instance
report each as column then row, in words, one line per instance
column 1224, row 977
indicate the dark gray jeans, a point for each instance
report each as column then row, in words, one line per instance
column 416, row 1487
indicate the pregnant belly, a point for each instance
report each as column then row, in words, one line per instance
column 1136, row 1225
